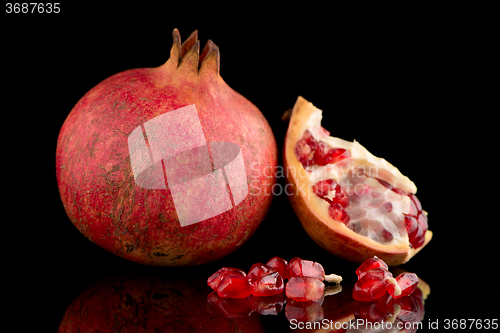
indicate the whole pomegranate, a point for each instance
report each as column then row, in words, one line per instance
column 169, row 165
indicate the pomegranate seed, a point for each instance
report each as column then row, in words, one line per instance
column 417, row 203
column 418, row 237
column 269, row 285
column 214, row 280
column 230, row 307
column 280, row 265
column 299, row 267
column 234, row 285
column 340, row 197
column 371, row 263
column 422, row 220
column 337, row 212
column 305, row 149
column 418, row 297
column 404, row 308
column 271, row 305
column 304, row 288
column 406, row 283
column 413, row 209
column 326, row 155
column 322, row 188
column 371, row 285
column 304, row 311
column 372, row 312
column 258, row 271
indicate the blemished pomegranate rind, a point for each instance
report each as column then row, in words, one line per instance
column 95, row 174
column 332, row 235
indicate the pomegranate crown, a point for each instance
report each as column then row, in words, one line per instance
column 187, row 54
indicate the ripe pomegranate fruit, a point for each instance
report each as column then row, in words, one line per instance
column 352, row 203
column 169, row 165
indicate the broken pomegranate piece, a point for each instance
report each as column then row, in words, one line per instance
column 304, row 288
column 234, row 285
column 340, row 181
column 371, row 263
column 406, row 283
column 371, row 285
column 380, row 210
column 214, row 280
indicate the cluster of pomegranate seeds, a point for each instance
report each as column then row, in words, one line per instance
column 386, row 308
column 338, row 198
column 311, row 152
column 415, row 220
column 304, row 280
column 374, row 281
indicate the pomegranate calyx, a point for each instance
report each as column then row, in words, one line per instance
column 186, row 57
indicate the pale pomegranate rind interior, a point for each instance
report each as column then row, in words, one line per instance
column 312, row 211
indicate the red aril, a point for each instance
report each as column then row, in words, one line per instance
column 234, row 286
column 306, row 148
column 269, row 305
column 280, row 265
column 406, row 283
column 352, row 203
column 371, row 263
column 230, row 307
column 404, row 308
column 214, row 280
column 155, row 164
column 299, row 267
column 268, row 285
column 259, row 270
column 373, row 311
column 304, row 288
column 303, row 312
column 371, row 285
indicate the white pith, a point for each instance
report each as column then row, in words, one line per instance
column 367, row 212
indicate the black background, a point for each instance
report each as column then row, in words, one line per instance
column 411, row 86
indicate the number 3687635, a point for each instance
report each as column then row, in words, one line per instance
column 32, row 7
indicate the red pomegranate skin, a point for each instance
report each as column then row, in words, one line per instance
column 94, row 172
column 151, row 304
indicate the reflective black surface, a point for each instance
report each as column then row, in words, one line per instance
column 385, row 85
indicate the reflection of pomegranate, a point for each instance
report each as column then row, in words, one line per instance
column 150, row 304
column 351, row 203
column 169, row 165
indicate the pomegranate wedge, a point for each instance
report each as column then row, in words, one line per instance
column 352, row 203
